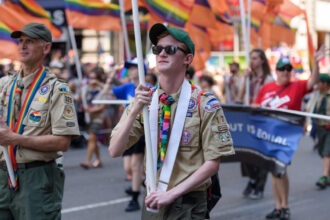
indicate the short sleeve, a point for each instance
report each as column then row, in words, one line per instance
column 136, row 131
column 119, row 92
column 62, row 111
column 216, row 137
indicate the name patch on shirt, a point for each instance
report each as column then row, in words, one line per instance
column 185, row 148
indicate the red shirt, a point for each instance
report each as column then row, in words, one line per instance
column 288, row 97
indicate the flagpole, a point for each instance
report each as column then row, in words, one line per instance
column 9, row 166
column 151, row 179
column 123, row 24
column 243, row 24
column 79, row 73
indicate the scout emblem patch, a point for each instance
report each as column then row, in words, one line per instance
column 186, row 137
column 212, row 105
column 44, row 89
column 68, row 112
column 192, row 104
column 35, row 117
column 64, row 89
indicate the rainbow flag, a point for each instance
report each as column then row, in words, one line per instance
column 173, row 12
column 255, row 24
column 31, row 11
column 93, row 15
column 311, row 48
column 223, row 18
column 297, row 64
column 11, row 51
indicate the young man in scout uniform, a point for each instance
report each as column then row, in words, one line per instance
column 191, row 137
column 37, row 119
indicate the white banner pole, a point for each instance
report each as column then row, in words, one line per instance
column 123, row 24
column 9, row 167
column 79, row 72
column 151, row 179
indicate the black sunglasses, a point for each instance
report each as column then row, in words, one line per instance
column 287, row 68
column 170, row 50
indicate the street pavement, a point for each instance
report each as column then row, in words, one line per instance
column 98, row 194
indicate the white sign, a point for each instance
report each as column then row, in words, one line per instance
column 322, row 16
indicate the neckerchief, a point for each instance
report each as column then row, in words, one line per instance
column 165, row 119
column 19, row 127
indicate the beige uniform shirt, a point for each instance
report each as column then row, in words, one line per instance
column 202, row 140
column 321, row 122
column 51, row 112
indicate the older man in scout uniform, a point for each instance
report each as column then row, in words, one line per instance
column 37, row 119
column 189, row 132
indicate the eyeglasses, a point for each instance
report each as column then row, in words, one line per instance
column 170, row 50
column 287, row 68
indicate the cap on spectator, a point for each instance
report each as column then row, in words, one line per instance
column 34, row 30
column 324, row 77
column 134, row 62
column 177, row 33
column 284, row 61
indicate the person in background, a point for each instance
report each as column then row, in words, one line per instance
column 283, row 93
column 96, row 118
column 323, row 129
column 151, row 79
column 2, row 71
column 232, row 83
column 258, row 75
column 133, row 157
column 206, row 82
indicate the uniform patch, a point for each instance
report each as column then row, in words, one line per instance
column 186, row 137
column 224, row 137
column 42, row 99
column 185, row 148
column 222, row 128
column 212, row 105
column 68, row 99
column 44, row 89
column 35, row 117
column 63, row 89
column 189, row 114
column 70, row 124
column 68, row 112
column 192, row 104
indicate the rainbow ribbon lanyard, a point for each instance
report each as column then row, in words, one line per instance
column 39, row 77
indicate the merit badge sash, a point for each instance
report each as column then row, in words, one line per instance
column 175, row 137
column 19, row 127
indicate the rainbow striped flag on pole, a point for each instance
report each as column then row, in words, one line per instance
column 93, row 15
column 31, row 11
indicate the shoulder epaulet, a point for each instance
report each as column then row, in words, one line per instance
column 12, row 72
column 61, row 80
column 206, row 93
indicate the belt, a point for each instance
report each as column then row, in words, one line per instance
column 29, row 165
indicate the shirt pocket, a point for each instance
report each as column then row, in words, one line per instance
column 190, row 133
column 36, row 116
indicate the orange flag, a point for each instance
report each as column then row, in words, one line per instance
column 202, row 14
column 31, row 11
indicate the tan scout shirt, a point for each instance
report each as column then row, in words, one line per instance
column 53, row 102
column 199, row 143
column 321, row 122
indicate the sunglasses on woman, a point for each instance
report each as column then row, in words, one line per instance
column 170, row 50
column 287, row 68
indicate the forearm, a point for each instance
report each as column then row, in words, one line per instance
column 97, row 108
column 46, row 143
column 208, row 169
column 314, row 77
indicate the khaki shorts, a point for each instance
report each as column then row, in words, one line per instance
column 190, row 206
column 39, row 194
